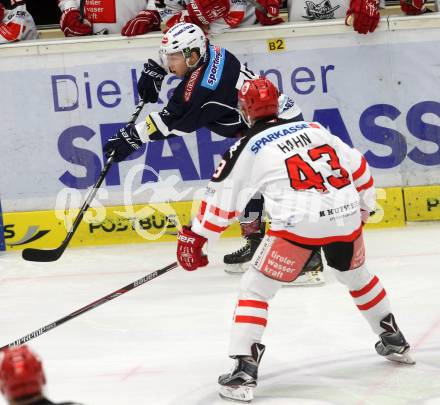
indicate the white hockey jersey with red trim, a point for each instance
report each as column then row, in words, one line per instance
column 17, row 25
column 241, row 13
column 109, row 16
column 314, row 185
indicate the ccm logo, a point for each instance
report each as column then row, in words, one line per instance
column 186, row 239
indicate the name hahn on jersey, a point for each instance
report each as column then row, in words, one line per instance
column 281, row 133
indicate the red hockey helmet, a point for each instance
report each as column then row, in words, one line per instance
column 258, row 98
column 21, row 373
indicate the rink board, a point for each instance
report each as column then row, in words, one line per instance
column 101, row 226
column 144, row 223
column 422, row 203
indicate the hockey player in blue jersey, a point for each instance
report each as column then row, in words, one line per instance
column 206, row 97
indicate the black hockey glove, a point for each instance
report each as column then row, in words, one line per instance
column 123, row 143
column 150, row 82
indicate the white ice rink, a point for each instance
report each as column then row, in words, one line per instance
column 165, row 342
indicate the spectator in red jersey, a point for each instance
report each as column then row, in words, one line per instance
column 127, row 17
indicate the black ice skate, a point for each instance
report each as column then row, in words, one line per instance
column 238, row 261
column 392, row 343
column 238, row 385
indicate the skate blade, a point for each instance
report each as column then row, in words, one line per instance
column 307, row 280
column 238, row 268
column 239, row 393
column 404, row 358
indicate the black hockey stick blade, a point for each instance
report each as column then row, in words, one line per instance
column 46, row 255
column 51, row 255
column 94, row 304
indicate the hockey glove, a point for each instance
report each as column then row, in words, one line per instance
column 72, row 26
column 273, row 10
column 204, row 12
column 363, row 15
column 150, row 82
column 189, row 250
column 145, row 21
column 413, row 7
column 123, row 144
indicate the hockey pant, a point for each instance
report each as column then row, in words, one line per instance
column 346, row 259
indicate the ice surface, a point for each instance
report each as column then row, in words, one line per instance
column 166, row 341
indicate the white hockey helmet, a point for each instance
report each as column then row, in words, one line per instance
column 183, row 37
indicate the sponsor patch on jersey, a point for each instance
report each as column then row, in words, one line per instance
column 314, row 125
column 190, row 84
column 101, row 11
column 214, row 71
column 275, row 135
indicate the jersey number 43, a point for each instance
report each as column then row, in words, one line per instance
column 304, row 177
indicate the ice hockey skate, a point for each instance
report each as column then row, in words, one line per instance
column 239, row 384
column 392, row 344
column 238, row 262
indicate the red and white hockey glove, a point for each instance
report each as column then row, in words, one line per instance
column 72, row 26
column 206, row 11
column 145, row 21
column 363, row 15
column 189, row 250
column 273, row 11
column 413, row 7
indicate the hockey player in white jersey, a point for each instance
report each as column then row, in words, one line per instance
column 128, row 17
column 16, row 24
column 217, row 16
column 206, row 97
column 318, row 193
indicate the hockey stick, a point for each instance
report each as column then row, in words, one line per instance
column 81, row 10
column 50, row 255
column 93, row 305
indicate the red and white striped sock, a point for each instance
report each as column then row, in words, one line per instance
column 368, row 294
column 249, row 324
column 250, row 316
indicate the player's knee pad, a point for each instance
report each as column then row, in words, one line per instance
column 255, row 285
column 354, row 279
